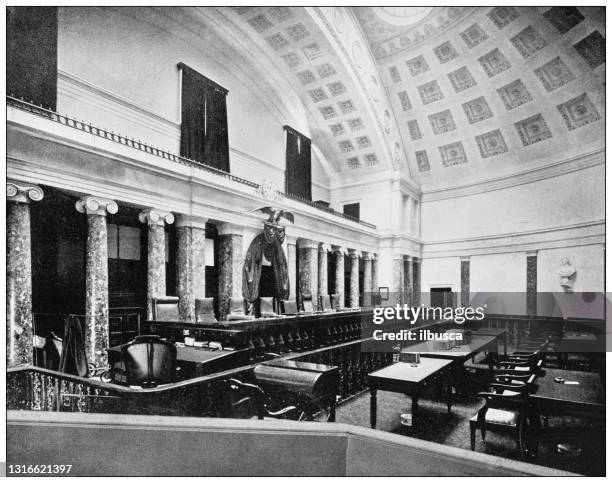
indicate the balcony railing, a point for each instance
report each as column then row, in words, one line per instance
column 144, row 147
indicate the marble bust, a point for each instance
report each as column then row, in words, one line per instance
column 567, row 275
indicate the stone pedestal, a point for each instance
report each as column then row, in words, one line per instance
column 96, row 277
column 292, row 266
column 231, row 262
column 156, row 253
column 323, row 288
column 308, row 268
column 408, row 280
column 465, row 281
column 354, row 279
column 398, row 279
column 190, row 264
column 19, row 324
column 339, row 254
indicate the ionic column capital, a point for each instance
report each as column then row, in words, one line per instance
column 354, row 253
column 191, row 221
column 154, row 216
column 532, row 253
column 408, row 258
column 22, row 192
column 324, row 247
column 465, row 259
column 94, row 205
column 339, row 250
column 227, row 228
column 368, row 256
column 306, row 243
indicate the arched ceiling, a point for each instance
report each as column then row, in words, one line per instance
column 455, row 95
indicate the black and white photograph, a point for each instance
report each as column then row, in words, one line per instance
column 351, row 240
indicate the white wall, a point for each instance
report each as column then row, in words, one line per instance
column 118, row 70
column 440, row 272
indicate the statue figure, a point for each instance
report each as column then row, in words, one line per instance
column 567, row 275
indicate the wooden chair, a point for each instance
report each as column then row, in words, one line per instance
column 237, row 309
column 307, row 303
column 326, row 304
column 205, row 311
column 335, row 301
column 237, row 399
column 149, row 361
column 504, row 411
column 165, row 309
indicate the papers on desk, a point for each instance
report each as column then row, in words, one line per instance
column 572, row 383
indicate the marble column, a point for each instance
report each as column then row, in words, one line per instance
column 156, row 253
column 96, row 277
column 408, row 280
column 398, row 279
column 308, row 268
column 374, row 273
column 19, row 323
column 190, row 264
column 532, row 283
column 416, row 281
column 465, row 281
column 354, row 279
column 339, row 254
column 291, row 266
column 231, row 262
column 367, row 279
column 323, row 287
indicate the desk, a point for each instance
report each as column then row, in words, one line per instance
column 499, row 334
column 196, row 361
column 585, row 399
column 404, row 378
column 458, row 354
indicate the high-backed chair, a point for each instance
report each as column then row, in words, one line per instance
column 52, row 351
column 505, row 411
column 307, row 302
column 266, row 307
column 335, row 301
column 326, row 304
column 205, row 311
column 165, row 309
column 237, row 309
column 290, row 307
column 149, row 361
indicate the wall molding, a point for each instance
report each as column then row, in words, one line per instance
column 540, row 173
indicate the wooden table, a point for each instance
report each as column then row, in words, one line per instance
column 499, row 334
column 584, row 399
column 458, row 354
column 405, row 378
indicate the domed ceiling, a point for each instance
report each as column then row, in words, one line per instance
column 454, row 95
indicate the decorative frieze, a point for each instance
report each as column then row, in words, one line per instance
column 578, row 112
column 532, row 130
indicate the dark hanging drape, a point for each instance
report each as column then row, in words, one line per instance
column 203, row 120
column 74, row 359
column 270, row 244
column 298, row 169
column 31, row 54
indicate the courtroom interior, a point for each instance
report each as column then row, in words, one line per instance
column 205, row 205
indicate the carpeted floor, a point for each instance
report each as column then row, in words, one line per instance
column 435, row 424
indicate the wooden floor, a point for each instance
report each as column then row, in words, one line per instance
column 437, row 426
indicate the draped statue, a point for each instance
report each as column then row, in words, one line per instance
column 268, row 244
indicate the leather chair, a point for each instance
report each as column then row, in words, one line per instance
column 505, row 410
column 326, row 304
column 237, row 310
column 335, row 301
column 205, row 311
column 165, row 309
column 266, row 307
column 307, row 303
column 290, row 307
column 149, row 361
